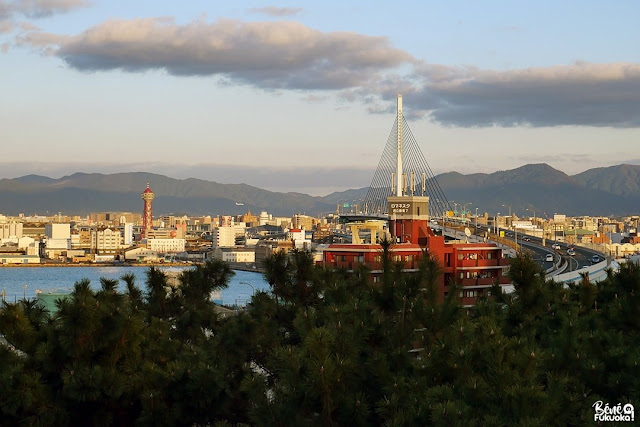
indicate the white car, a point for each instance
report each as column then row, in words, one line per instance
column 571, row 252
column 555, row 246
column 549, row 258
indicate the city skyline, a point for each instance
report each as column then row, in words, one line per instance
column 114, row 86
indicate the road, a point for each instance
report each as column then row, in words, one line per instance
column 581, row 259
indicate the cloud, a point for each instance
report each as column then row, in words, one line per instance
column 268, row 55
column 277, row 11
column 38, row 8
column 358, row 68
column 42, row 41
column 6, row 27
column 27, row 33
column 580, row 94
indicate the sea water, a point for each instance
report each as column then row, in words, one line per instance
column 19, row 282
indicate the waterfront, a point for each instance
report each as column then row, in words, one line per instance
column 13, row 280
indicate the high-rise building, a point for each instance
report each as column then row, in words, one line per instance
column 147, row 212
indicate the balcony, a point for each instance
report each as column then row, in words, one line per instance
column 484, row 281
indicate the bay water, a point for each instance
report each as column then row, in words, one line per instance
column 19, row 282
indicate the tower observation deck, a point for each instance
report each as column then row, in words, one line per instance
column 403, row 171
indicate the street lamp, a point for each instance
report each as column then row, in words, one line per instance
column 476, row 217
column 464, row 208
column 497, row 227
column 508, row 206
column 253, row 291
column 24, row 292
column 534, row 214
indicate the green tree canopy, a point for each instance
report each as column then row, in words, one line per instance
column 324, row 347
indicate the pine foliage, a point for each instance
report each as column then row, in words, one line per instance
column 324, row 347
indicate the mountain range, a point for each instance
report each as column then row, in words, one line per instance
column 529, row 189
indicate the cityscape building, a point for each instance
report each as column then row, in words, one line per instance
column 476, row 267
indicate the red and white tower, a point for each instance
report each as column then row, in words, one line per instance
column 147, row 213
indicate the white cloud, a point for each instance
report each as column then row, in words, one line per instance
column 39, row 8
column 277, row 11
column 269, row 55
column 358, row 68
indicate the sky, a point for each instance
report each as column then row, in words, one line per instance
column 300, row 96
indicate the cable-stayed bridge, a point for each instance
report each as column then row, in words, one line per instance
column 403, row 171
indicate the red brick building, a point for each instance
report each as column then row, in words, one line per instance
column 473, row 266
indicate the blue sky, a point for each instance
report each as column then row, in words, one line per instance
column 301, row 96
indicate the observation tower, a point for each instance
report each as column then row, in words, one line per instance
column 147, row 212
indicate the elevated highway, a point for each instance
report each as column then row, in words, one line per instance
column 564, row 268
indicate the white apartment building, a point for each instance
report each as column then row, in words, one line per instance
column 264, row 218
column 12, row 230
column 223, row 237
column 127, row 233
column 296, row 234
column 240, row 228
column 57, row 231
column 58, row 239
column 165, row 245
column 239, row 256
column 141, row 255
column 107, row 241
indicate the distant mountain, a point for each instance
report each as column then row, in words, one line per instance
column 536, row 187
column 347, row 195
column 82, row 193
column 35, row 179
column 623, row 180
column 531, row 188
column 540, row 189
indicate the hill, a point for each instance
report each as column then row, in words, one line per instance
column 82, row 193
column 530, row 188
column 539, row 188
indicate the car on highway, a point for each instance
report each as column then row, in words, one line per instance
column 549, row 258
column 555, row 246
column 526, row 239
column 571, row 252
column 595, row 259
